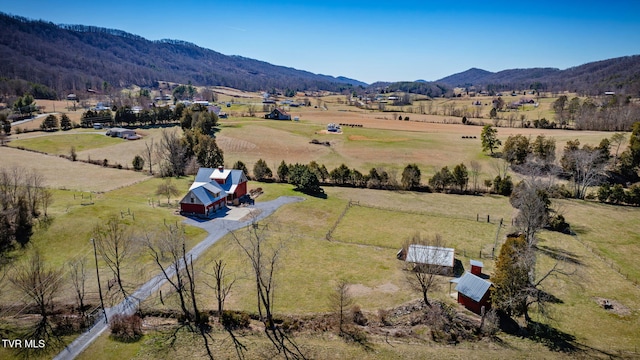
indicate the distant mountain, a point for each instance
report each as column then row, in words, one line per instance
column 469, row 77
column 77, row 57
column 619, row 74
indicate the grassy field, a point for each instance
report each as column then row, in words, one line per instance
column 364, row 244
column 363, row 252
column 61, row 143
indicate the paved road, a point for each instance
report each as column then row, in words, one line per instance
column 216, row 228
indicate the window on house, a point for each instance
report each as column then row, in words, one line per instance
column 192, row 200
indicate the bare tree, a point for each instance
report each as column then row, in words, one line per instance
column 252, row 108
column 586, row 171
column 424, row 257
column 475, row 172
column 171, row 153
column 41, row 285
column 167, row 189
column 78, row 275
column 340, row 300
column 263, row 249
column 149, row 154
column 223, row 284
column 168, row 250
column 115, row 245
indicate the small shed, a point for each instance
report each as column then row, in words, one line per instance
column 476, row 267
column 474, row 293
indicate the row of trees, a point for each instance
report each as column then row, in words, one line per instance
column 52, row 123
column 313, row 173
column 585, row 165
column 611, row 113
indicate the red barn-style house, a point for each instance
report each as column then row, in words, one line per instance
column 212, row 189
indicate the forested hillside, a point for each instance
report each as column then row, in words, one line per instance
column 621, row 75
column 77, row 57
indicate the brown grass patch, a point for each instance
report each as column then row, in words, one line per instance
column 364, row 138
column 64, row 174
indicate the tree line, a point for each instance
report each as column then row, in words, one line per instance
column 585, row 166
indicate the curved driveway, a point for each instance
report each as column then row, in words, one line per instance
column 217, row 228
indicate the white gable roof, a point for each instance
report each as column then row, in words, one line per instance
column 204, row 193
column 431, row 255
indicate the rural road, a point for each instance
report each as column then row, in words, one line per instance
column 216, row 228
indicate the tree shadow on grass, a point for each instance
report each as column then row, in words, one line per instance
column 560, row 254
column 552, row 338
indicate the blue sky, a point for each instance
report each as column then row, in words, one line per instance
column 373, row 40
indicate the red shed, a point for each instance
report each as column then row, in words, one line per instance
column 474, row 292
column 476, row 267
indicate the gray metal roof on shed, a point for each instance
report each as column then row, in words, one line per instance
column 431, row 255
column 476, row 263
column 473, row 287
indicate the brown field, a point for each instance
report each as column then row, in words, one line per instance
column 64, row 174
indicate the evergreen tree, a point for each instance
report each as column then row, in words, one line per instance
column 410, row 177
column 23, row 223
column 461, row 176
column 511, row 277
column 261, row 170
column 239, row 165
column 489, row 137
column 283, row 172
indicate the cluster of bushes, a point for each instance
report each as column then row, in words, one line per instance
column 446, row 179
column 617, row 194
column 126, row 328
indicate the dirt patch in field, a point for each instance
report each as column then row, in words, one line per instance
column 362, row 290
column 613, row 306
column 326, row 132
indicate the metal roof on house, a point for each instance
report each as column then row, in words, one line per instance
column 431, row 255
column 231, row 177
column 204, row 194
column 473, row 287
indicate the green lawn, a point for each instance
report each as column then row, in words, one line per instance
column 61, row 144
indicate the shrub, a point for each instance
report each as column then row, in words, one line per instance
column 358, row 316
column 235, row 319
column 126, row 328
column 138, row 163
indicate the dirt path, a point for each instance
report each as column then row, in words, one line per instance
column 217, row 228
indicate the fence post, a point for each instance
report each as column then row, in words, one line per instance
column 488, row 218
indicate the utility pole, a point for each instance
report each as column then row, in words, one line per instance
column 95, row 255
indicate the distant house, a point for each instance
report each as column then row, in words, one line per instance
column 233, row 182
column 424, row 255
column 122, row 133
column 474, row 292
column 278, row 114
column 72, row 97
